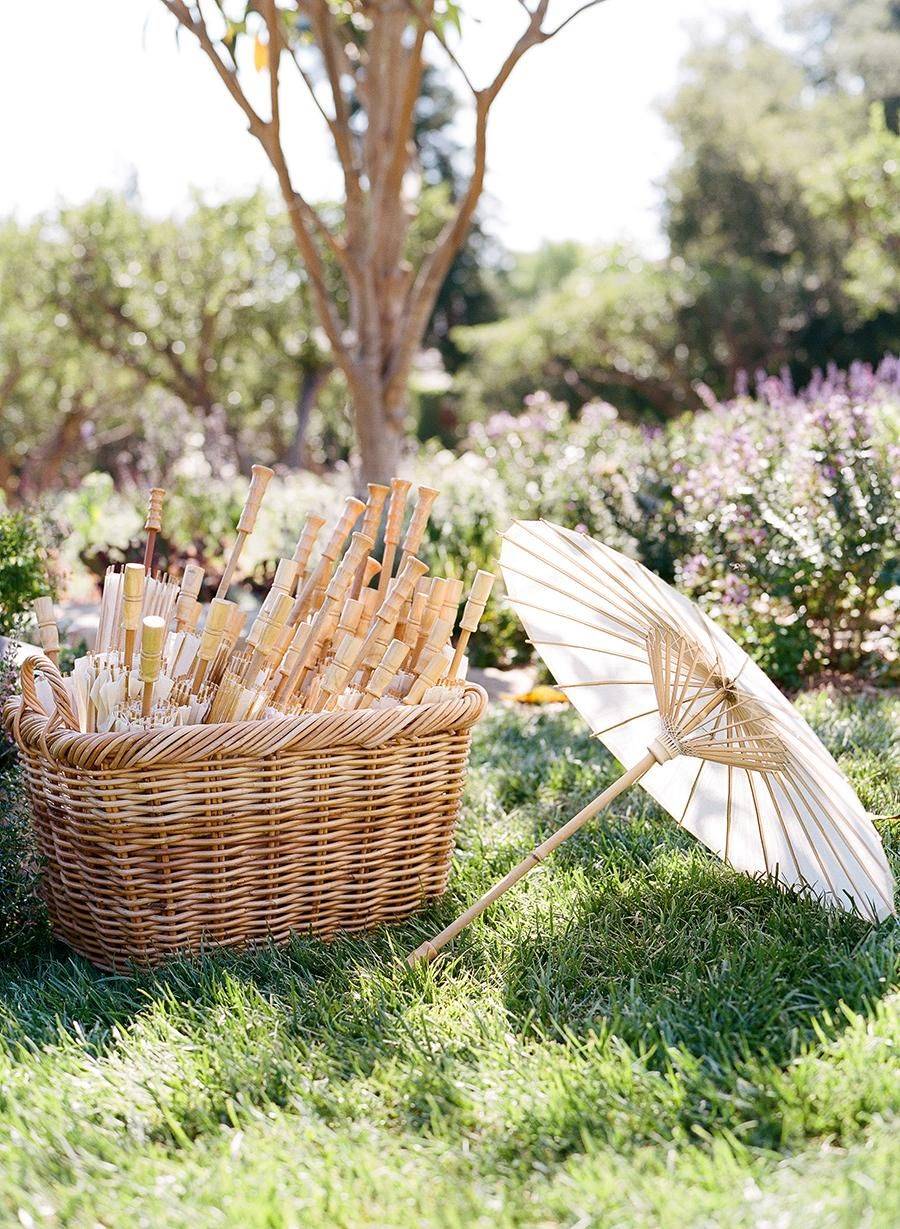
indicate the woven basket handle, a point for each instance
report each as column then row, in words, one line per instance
column 39, row 664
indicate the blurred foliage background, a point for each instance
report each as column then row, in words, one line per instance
column 605, row 387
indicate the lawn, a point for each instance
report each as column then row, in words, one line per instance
column 635, row 1036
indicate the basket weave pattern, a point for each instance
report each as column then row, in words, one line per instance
column 193, row 836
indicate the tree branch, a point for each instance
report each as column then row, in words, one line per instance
column 435, row 267
column 305, row 221
column 548, row 34
column 197, row 27
column 426, row 22
column 332, row 57
column 271, row 15
column 338, row 124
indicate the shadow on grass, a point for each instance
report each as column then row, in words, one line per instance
column 640, row 931
column 685, row 954
column 631, row 926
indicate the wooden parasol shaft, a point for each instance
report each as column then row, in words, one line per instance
column 153, row 524
column 319, row 577
column 231, row 565
column 370, row 527
column 261, row 474
column 431, row 947
column 392, row 529
column 47, row 628
column 474, row 609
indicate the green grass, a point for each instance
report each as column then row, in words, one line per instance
column 634, row 1036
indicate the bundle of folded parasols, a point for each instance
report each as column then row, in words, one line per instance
column 340, row 628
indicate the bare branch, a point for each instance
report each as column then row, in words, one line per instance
column 311, row 90
column 424, row 290
column 334, row 60
column 305, row 220
column 407, row 96
column 271, row 16
column 197, row 27
column 591, row 4
column 427, row 22
column 530, row 36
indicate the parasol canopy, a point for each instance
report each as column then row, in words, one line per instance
column 692, row 718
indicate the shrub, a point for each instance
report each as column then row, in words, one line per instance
column 100, row 525
column 779, row 513
column 464, row 535
column 23, row 569
column 790, row 505
column 592, row 471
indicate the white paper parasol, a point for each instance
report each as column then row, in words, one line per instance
column 692, row 718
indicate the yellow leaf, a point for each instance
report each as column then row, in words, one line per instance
column 542, row 694
column 260, row 54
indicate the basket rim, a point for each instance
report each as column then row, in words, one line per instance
column 241, row 740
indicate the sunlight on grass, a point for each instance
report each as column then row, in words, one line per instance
column 635, row 1036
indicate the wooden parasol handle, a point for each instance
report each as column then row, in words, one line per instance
column 431, row 947
column 384, row 673
column 321, row 573
column 425, row 497
column 374, row 507
column 153, row 524
column 260, row 476
column 153, row 631
column 370, row 526
column 187, row 608
column 305, row 543
column 428, row 674
column 132, row 604
column 217, row 618
column 48, row 631
column 472, row 612
column 392, row 529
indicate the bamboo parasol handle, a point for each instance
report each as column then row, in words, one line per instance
column 425, row 497
column 306, row 542
column 260, row 476
column 392, row 528
column 132, row 603
column 370, row 527
column 47, row 628
column 431, row 947
column 153, row 524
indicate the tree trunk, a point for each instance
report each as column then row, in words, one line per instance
column 43, row 469
column 388, row 301
column 307, row 394
column 379, row 435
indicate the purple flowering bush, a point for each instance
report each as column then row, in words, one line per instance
column 778, row 512
column 592, row 472
column 789, row 504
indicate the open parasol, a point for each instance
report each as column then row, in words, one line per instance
column 692, row 718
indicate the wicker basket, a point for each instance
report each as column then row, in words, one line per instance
column 189, row 837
